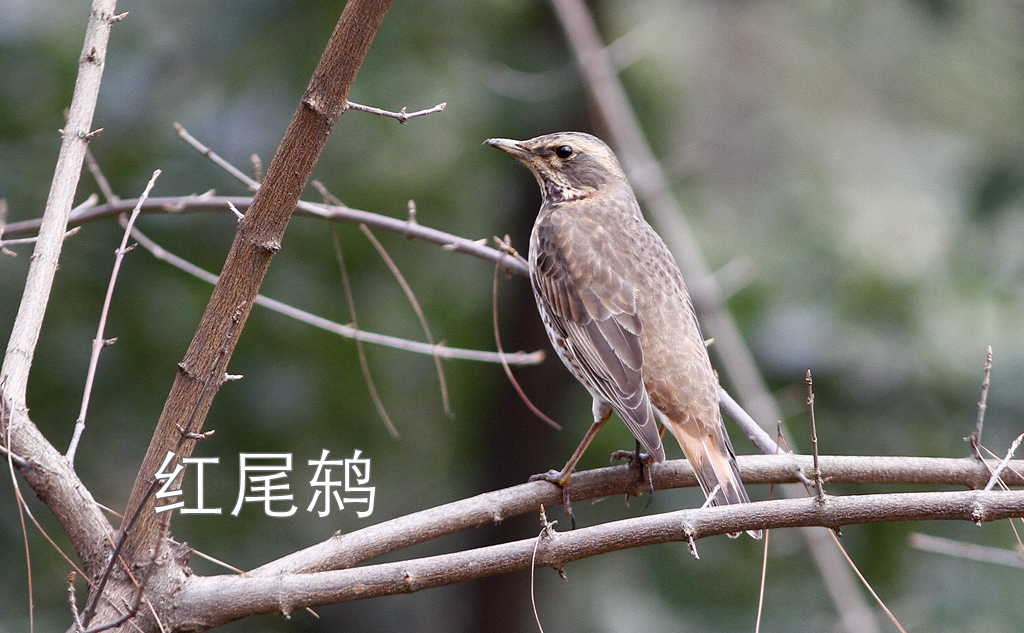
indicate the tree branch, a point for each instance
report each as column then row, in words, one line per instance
column 259, row 236
column 346, row 550
column 186, row 204
column 49, row 474
column 348, row 331
column 211, row 601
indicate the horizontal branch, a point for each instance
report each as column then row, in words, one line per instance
column 347, row 550
column 438, row 350
column 211, row 601
column 185, row 204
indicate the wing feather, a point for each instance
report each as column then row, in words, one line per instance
column 596, row 316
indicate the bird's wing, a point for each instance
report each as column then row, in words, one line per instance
column 575, row 280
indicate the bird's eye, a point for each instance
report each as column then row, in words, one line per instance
column 563, row 151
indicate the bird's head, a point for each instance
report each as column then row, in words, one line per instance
column 568, row 165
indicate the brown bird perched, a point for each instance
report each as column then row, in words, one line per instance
column 616, row 309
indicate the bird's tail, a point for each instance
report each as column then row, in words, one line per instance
column 710, row 452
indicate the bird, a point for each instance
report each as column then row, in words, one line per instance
column 617, row 311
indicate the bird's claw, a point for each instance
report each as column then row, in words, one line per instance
column 554, row 476
column 560, row 479
column 642, row 461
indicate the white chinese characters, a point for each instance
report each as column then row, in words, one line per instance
column 263, row 481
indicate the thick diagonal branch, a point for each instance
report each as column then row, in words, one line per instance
column 259, row 236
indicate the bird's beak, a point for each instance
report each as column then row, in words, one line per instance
column 512, row 147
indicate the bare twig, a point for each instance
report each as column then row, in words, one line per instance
column 258, row 239
column 50, row 476
column 865, row 582
column 975, row 437
column 100, row 341
column 101, row 180
column 1002, row 465
column 515, row 358
column 416, row 308
column 969, row 551
column 508, row 370
column 73, row 602
column 3, row 224
column 208, row 202
column 402, row 116
column 409, row 294
column 546, row 532
column 752, row 429
column 22, row 508
column 815, row 471
column 363, row 364
column 182, row 133
column 28, row 240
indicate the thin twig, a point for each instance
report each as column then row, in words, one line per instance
column 515, row 358
column 865, row 581
column 505, row 366
column 764, row 551
column 409, row 294
column 747, row 424
column 257, row 168
column 402, row 116
column 975, row 437
column 213, row 156
column 73, row 602
column 101, row 180
column 100, row 342
column 816, row 472
column 3, row 224
column 90, row 212
column 969, row 551
column 416, row 308
column 546, row 531
column 22, row 508
column 29, row 240
column 1006, row 460
column 363, row 364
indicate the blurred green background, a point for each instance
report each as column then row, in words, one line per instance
column 854, row 170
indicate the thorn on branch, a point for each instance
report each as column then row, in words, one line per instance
column 117, row 18
column 232, row 377
column 194, row 436
column 238, row 214
column 411, row 222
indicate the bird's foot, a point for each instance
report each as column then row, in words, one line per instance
column 643, row 462
column 560, row 479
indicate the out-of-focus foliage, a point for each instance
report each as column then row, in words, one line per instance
column 853, row 168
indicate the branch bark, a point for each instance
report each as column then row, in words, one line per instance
column 49, row 474
column 210, row 601
column 259, row 236
column 347, row 550
column 185, row 204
